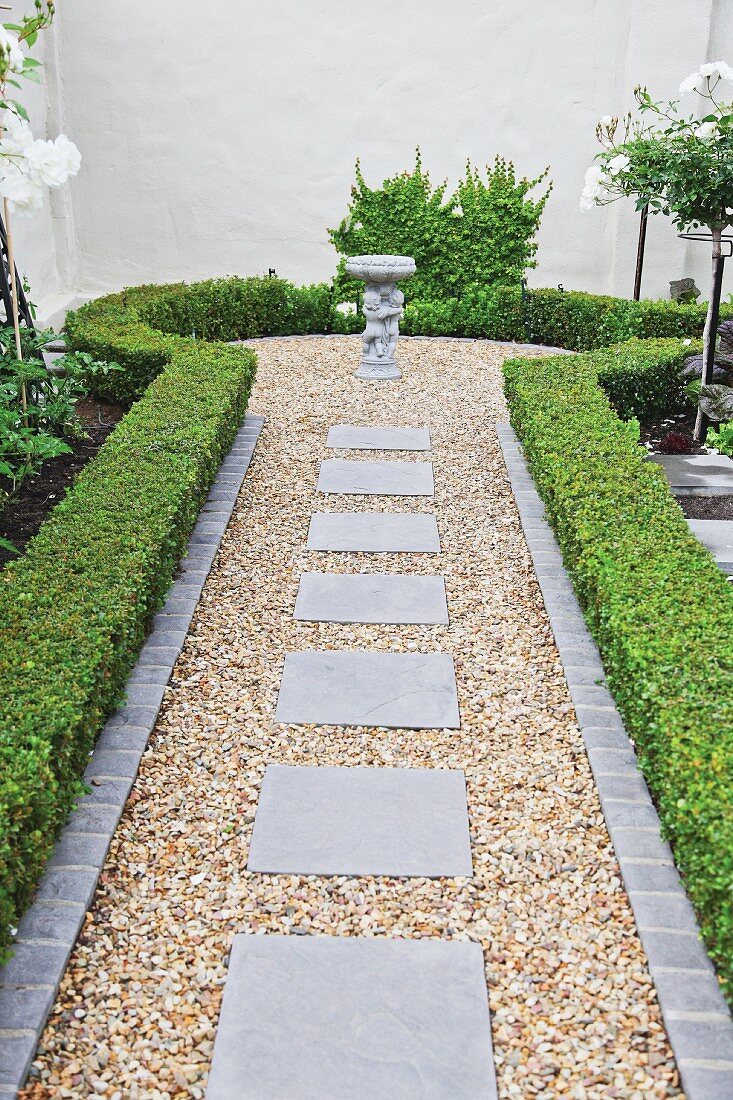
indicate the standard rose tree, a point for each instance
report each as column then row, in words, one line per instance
column 27, row 165
column 676, row 164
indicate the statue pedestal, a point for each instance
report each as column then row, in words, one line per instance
column 382, row 309
column 377, row 370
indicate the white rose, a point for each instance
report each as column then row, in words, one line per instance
column 596, row 187
column 594, row 175
column 17, row 135
column 717, row 68
column 706, row 131
column 617, row 164
column 692, row 83
column 24, row 194
column 70, row 152
column 11, row 48
column 606, row 120
column 53, row 162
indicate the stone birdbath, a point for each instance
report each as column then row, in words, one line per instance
column 383, row 302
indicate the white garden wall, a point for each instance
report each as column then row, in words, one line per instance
column 221, row 137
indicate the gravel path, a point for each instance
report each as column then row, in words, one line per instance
column 573, row 1007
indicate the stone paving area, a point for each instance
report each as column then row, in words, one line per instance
column 706, row 476
column 573, row 1009
column 717, row 536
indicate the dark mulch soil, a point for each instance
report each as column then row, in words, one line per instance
column 673, row 435
column 24, row 513
column 706, row 507
column 657, row 434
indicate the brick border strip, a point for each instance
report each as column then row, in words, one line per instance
column 696, row 1016
column 49, row 929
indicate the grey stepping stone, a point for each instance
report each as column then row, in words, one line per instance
column 338, row 475
column 374, row 532
column 379, row 439
column 371, row 598
column 697, row 475
column 717, row 535
column 347, row 688
column 327, row 1017
column 361, row 821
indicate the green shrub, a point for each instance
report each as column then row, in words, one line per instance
column 642, row 377
column 141, row 326
column 482, row 233
column 75, row 608
column 658, row 606
column 564, row 319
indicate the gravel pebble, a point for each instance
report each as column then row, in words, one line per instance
column 573, row 1006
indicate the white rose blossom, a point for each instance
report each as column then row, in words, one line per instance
column 10, row 46
column 596, row 187
column 617, row 164
column 28, row 165
column 711, row 70
column 23, row 193
column 52, row 162
column 706, row 131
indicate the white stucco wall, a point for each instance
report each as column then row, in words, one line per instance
column 221, row 138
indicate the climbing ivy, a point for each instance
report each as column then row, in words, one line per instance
column 483, row 233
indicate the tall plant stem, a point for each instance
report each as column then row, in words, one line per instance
column 711, row 330
column 13, row 286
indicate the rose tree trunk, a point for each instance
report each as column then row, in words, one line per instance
column 711, row 330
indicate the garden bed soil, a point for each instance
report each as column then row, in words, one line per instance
column 706, row 507
column 25, row 512
column 682, row 424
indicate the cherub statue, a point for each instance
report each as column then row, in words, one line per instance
column 373, row 337
column 392, row 314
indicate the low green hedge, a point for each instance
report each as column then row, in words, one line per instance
column 658, row 606
column 565, row 319
column 75, row 608
column 139, row 326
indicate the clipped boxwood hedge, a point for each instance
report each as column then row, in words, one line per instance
column 658, row 606
column 75, row 608
column 564, row 319
column 139, row 327
column 142, row 324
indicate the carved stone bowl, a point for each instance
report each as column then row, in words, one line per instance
column 380, row 269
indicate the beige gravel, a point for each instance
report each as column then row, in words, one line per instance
column 573, row 1008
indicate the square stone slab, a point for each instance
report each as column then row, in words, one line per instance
column 348, row 436
column 411, row 479
column 374, row 532
column 361, row 821
column 371, row 598
column 346, row 1018
column 717, row 535
column 697, row 475
column 356, row 688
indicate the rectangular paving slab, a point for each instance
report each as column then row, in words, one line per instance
column 338, row 475
column 361, row 821
column 374, row 532
column 344, row 1018
column 357, row 688
column 697, row 475
column 717, row 535
column 371, row 598
column 378, row 439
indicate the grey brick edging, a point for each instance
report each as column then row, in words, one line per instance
column 49, row 929
column 696, row 1016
